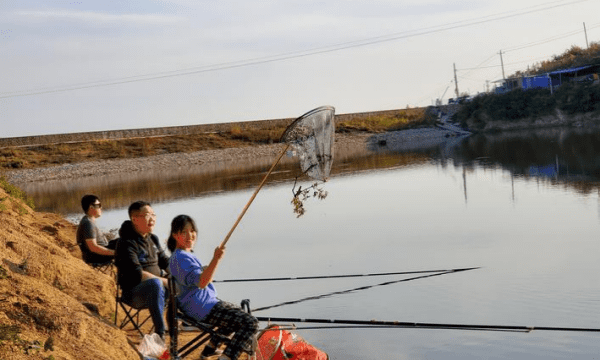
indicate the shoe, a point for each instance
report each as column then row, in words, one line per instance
column 183, row 326
column 211, row 355
column 187, row 327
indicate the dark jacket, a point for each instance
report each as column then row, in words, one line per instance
column 135, row 253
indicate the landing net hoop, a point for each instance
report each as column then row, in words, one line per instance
column 312, row 137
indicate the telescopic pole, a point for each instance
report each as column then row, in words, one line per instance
column 224, row 242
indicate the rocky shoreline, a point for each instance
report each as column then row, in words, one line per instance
column 403, row 140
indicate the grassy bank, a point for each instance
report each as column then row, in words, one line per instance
column 237, row 136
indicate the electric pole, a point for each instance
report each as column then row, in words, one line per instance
column 585, row 32
column 502, row 63
column 455, row 81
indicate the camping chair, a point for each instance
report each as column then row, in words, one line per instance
column 102, row 267
column 105, row 268
column 132, row 314
column 205, row 331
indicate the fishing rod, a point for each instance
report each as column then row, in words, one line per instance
column 360, row 288
column 340, row 276
column 401, row 324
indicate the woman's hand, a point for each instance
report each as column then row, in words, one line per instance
column 207, row 274
column 219, row 252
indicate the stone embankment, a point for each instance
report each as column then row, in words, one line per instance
column 171, row 130
column 359, row 142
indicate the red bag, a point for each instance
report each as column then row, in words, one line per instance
column 278, row 344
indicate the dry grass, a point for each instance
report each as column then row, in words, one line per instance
column 48, row 155
column 237, row 136
column 405, row 119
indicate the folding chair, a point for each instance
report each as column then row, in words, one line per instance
column 104, row 267
column 99, row 266
column 132, row 314
column 206, row 331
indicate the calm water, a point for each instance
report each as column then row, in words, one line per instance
column 524, row 207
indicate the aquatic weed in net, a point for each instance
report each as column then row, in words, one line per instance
column 301, row 195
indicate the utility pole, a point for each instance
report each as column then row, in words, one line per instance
column 502, row 63
column 585, row 32
column 455, row 81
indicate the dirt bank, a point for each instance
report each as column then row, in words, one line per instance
column 44, row 289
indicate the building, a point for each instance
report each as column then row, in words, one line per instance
column 550, row 80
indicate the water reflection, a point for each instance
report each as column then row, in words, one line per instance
column 118, row 191
column 559, row 156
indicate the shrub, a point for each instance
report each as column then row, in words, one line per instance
column 571, row 98
column 15, row 192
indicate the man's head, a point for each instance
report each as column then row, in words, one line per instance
column 91, row 205
column 142, row 216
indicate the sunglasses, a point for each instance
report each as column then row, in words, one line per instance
column 97, row 206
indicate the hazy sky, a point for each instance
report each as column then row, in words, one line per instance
column 72, row 66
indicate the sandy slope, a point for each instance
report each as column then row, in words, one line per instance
column 43, row 285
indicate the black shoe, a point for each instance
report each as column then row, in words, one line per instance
column 210, row 352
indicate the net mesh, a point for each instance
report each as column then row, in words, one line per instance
column 312, row 137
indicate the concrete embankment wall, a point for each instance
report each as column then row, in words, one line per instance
column 168, row 131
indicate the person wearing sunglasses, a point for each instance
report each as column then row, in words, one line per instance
column 95, row 248
column 142, row 263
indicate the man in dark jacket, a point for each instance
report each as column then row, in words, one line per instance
column 140, row 262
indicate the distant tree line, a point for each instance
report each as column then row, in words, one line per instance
column 573, row 57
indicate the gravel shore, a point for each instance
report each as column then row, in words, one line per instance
column 364, row 142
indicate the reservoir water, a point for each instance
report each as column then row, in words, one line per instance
column 523, row 207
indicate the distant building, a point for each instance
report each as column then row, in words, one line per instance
column 551, row 80
column 507, row 85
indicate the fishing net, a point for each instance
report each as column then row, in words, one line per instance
column 312, row 137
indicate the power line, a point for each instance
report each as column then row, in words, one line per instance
column 547, row 40
column 296, row 54
column 528, row 45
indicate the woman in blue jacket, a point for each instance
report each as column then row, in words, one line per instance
column 197, row 295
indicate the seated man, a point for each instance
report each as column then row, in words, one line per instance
column 95, row 249
column 140, row 262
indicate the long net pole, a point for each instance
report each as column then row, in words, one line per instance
column 224, row 242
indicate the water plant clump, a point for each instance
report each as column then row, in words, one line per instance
column 301, row 195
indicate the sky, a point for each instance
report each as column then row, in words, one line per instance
column 78, row 66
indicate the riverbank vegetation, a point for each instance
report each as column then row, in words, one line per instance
column 15, row 192
column 573, row 57
column 570, row 99
column 27, row 157
column 563, row 105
